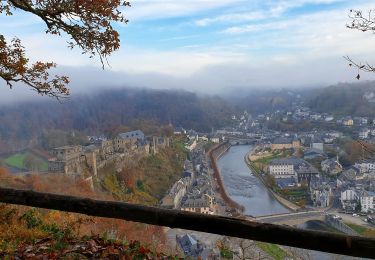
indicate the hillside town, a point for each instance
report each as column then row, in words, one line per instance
column 307, row 169
column 314, row 161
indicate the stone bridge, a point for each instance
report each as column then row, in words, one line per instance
column 241, row 141
column 291, row 219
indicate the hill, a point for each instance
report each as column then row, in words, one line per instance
column 356, row 99
column 25, row 124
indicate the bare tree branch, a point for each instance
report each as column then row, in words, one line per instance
column 362, row 23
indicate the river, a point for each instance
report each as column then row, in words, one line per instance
column 245, row 188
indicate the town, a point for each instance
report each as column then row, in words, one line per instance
column 329, row 169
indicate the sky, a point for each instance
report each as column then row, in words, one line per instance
column 210, row 46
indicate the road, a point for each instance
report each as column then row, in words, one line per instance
column 292, row 218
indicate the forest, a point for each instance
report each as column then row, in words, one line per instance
column 50, row 123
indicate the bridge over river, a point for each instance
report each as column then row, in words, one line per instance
column 291, row 219
column 241, row 140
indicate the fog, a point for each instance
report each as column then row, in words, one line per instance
column 219, row 79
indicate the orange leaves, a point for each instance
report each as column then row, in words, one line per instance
column 3, row 172
column 87, row 23
column 14, row 67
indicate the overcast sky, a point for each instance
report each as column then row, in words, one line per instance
column 211, row 45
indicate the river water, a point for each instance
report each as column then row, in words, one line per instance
column 245, row 188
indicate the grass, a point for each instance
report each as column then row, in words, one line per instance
column 273, row 250
column 266, row 160
column 18, row 161
column 357, row 228
column 367, row 232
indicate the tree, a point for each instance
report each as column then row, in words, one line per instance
column 88, row 23
column 3, row 172
column 32, row 162
column 362, row 23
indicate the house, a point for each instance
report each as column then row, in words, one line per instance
column 127, row 141
column 320, row 193
column 348, row 121
column 367, row 199
column 315, row 116
column 364, row 121
column 334, row 134
column 331, row 166
column 175, row 195
column 192, row 248
column 301, row 170
column 203, row 137
column 351, row 173
column 281, row 168
column 349, row 199
column 215, row 140
column 317, row 143
column 365, row 166
column 191, row 145
column 292, row 168
column 285, row 143
column 305, row 172
column 133, row 135
column 364, row 133
column 328, row 139
column 203, row 205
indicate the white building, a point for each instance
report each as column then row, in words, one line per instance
column 365, row 166
column 349, row 194
column 367, row 201
column 191, row 145
column 282, row 168
column 317, row 145
column 364, row 133
column 349, row 199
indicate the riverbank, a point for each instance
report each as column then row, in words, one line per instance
column 214, row 154
column 286, row 203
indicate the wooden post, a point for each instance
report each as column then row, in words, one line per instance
column 283, row 235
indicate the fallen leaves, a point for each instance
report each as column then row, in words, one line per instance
column 87, row 248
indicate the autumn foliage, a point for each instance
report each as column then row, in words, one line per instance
column 88, row 24
column 20, row 226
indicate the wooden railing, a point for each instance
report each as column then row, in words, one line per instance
column 283, row 235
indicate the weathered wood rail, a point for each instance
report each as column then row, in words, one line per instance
column 283, row 235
